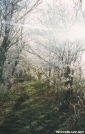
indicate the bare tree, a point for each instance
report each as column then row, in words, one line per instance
column 52, row 53
column 11, row 16
column 62, row 53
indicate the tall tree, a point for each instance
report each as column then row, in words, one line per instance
column 9, row 27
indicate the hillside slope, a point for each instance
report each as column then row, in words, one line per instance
column 32, row 109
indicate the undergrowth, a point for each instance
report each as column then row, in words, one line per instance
column 31, row 108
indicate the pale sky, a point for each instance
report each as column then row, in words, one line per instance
column 75, row 31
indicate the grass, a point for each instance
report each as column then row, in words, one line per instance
column 32, row 109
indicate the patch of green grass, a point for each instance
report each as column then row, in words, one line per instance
column 32, row 109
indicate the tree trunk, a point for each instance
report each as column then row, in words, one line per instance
column 2, row 60
column 3, row 50
column 68, row 83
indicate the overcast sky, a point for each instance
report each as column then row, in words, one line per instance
column 77, row 30
column 74, row 31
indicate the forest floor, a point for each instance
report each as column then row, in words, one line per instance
column 31, row 108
